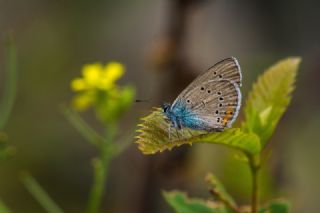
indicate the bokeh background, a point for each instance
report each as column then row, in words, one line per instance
column 164, row 45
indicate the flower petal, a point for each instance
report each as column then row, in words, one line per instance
column 91, row 74
column 82, row 101
column 78, row 84
column 113, row 71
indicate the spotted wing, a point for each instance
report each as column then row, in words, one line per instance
column 227, row 69
column 214, row 104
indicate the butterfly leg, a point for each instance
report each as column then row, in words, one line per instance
column 218, row 130
column 177, row 132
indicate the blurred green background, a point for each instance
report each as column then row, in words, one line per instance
column 163, row 44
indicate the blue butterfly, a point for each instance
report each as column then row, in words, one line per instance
column 211, row 102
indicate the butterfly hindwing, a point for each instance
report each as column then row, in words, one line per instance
column 214, row 104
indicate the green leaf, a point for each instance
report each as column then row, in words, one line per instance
column 39, row 194
column 276, row 206
column 10, row 82
column 269, row 98
column 154, row 136
column 218, row 190
column 4, row 208
column 182, row 204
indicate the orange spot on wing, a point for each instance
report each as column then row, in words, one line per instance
column 227, row 117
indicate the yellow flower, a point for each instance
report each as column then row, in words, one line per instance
column 78, row 84
column 83, row 101
column 95, row 76
column 111, row 73
column 96, row 84
column 91, row 74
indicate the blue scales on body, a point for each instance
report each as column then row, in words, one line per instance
column 182, row 116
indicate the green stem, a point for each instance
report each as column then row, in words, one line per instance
column 255, row 167
column 10, row 83
column 100, row 174
column 40, row 194
column 101, row 166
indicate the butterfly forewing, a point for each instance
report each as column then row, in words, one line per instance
column 227, row 69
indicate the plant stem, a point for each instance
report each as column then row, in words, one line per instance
column 11, row 81
column 40, row 194
column 230, row 205
column 255, row 167
column 101, row 166
column 254, row 199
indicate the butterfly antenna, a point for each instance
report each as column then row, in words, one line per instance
column 141, row 101
column 146, row 101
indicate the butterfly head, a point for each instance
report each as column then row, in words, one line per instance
column 171, row 116
column 166, row 108
column 168, row 112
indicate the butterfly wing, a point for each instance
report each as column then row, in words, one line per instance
column 213, row 98
column 227, row 69
column 213, row 104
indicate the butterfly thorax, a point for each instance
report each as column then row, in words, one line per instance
column 180, row 116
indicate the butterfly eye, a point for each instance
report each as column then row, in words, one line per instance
column 217, row 112
column 219, row 93
column 218, row 120
column 208, row 91
column 166, row 108
column 188, row 101
column 221, row 99
column 220, row 76
column 214, row 72
column 220, row 105
column 202, row 88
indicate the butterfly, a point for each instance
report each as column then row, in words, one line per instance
column 211, row 102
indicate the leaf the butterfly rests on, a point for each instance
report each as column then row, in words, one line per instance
column 270, row 97
column 154, row 136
